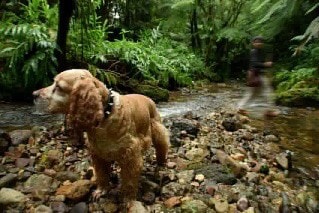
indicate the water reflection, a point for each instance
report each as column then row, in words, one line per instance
column 24, row 116
column 299, row 133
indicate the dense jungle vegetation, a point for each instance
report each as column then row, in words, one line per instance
column 162, row 43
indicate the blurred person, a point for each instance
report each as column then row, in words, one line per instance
column 259, row 94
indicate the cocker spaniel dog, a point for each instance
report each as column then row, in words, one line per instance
column 119, row 127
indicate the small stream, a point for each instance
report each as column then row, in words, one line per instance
column 298, row 128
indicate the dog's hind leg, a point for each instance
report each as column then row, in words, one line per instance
column 160, row 139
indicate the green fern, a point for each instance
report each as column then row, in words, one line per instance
column 292, row 79
column 312, row 32
column 108, row 77
column 154, row 58
column 29, row 55
column 277, row 14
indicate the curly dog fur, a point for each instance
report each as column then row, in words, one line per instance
column 131, row 127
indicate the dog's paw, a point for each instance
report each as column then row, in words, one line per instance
column 97, row 194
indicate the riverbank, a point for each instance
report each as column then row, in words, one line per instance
column 218, row 162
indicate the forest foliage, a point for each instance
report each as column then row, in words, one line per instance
column 170, row 43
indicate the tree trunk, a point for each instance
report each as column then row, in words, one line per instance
column 196, row 43
column 128, row 16
column 66, row 8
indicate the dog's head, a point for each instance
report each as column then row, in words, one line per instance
column 75, row 93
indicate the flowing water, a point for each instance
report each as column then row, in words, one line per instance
column 298, row 128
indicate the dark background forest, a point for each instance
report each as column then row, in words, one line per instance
column 165, row 44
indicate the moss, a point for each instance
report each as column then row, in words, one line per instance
column 299, row 97
column 297, row 87
column 154, row 92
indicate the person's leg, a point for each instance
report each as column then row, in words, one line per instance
column 242, row 105
column 268, row 98
column 248, row 100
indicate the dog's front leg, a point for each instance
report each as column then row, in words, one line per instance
column 102, row 171
column 131, row 170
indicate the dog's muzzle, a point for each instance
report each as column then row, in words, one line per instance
column 41, row 104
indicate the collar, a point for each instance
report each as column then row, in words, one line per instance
column 109, row 104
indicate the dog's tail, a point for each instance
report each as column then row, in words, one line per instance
column 160, row 138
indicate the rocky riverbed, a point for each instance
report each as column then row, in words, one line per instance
column 218, row 162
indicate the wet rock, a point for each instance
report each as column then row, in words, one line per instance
column 59, row 198
column 248, row 136
column 268, row 150
column 231, row 124
column 22, row 162
column 250, row 210
column 182, row 163
column 185, row 177
column 271, row 138
column 71, row 159
column 238, row 156
column 252, row 177
column 67, row 175
column 217, row 173
column 196, row 154
column 265, row 205
column 242, row 204
column 200, row 178
column 43, row 209
column 38, row 182
column 59, row 207
column 221, row 205
column 309, row 200
column 4, row 142
column 191, row 206
column 171, row 165
column 282, row 160
column 262, row 190
column 236, row 168
column 9, row 196
column 195, row 184
column 8, row 180
column 80, row 208
column 173, row 189
column 20, row 136
column 191, row 115
column 285, row 204
column 50, row 172
column 54, row 156
column 148, row 185
column 75, row 191
column 172, row 202
column 210, row 188
column 190, row 127
column 232, row 208
column 109, row 206
column 137, row 207
column 149, row 198
column 39, row 194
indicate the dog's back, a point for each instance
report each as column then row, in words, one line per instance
column 147, row 115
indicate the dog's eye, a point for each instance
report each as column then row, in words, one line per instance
column 57, row 88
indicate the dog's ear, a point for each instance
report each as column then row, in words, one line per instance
column 86, row 108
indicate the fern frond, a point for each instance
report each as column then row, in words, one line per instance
column 260, row 5
column 183, row 4
column 313, row 8
column 275, row 10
